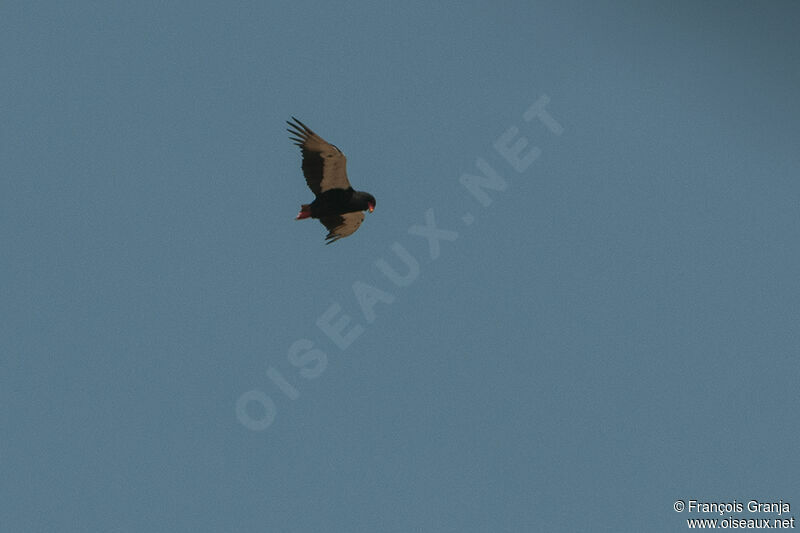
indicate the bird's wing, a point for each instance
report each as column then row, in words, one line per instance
column 340, row 226
column 324, row 165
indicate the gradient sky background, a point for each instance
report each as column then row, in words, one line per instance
column 617, row 330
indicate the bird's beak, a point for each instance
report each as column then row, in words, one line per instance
column 371, row 208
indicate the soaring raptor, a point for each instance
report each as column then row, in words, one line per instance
column 337, row 206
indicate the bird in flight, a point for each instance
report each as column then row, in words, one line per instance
column 337, row 206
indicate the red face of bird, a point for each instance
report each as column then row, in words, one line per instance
column 371, row 207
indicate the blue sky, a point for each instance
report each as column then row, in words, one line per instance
column 616, row 330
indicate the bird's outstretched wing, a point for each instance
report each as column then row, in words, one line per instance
column 340, row 226
column 324, row 165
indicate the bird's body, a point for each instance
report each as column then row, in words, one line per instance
column 337, row 205
column 338, row 202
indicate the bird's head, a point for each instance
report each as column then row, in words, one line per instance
column 370, row 203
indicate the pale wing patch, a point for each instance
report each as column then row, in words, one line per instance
column 340, row 226
column 324, row 165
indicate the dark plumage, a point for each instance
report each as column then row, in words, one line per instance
column 337, row 206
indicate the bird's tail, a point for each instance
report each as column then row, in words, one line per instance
column 305, row 211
